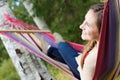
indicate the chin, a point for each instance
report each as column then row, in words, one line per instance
column 83, row 37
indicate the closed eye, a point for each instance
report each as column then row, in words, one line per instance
column 88, row 24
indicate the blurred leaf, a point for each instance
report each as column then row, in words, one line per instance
column 3, row 52
column 7, row 71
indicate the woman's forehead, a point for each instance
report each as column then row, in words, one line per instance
column 91, row 17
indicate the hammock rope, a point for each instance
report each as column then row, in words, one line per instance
column 26, row 31
column 30, row 40
column 35, row 50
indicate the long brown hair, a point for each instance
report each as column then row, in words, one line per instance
column 98, row 9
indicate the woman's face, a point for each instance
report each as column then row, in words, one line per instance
column 89, row 26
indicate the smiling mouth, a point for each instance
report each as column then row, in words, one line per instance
column 83, row 33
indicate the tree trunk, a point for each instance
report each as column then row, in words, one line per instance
column 29, row 7
column 28, row 66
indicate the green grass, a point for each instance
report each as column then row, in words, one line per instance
column 8, row 72
column 118, row 78
column 59, row 75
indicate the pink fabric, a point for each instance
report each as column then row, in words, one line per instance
column 102, row 60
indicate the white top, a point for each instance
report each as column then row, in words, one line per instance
column 87, row 72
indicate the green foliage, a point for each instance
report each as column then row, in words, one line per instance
column 118, row 78
column 20, row 12
column 63, row 16
column 3, row 53
column 7, row 71
column 59, row 75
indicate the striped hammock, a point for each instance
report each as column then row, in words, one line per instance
column 108, row 61
column 30, row 40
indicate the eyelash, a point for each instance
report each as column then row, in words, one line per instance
column 87, row 24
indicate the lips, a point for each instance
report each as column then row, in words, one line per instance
column 83, row 33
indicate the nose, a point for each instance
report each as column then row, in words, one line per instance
column 82, row 25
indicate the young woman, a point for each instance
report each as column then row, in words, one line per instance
column 82, row 65
column 90, row 32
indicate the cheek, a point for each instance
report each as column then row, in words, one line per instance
column 90, row 35
column 93, row 34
